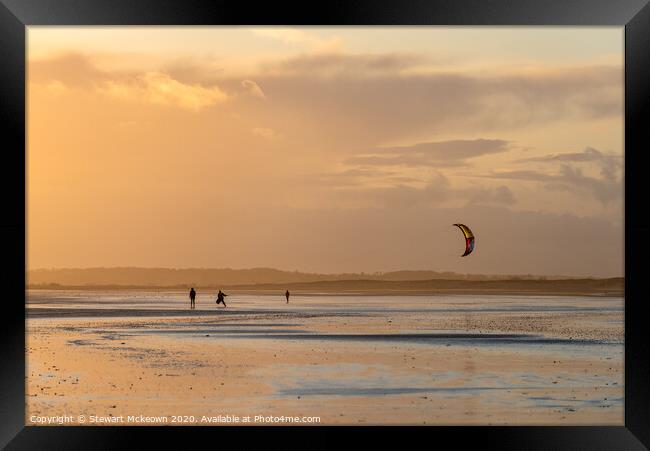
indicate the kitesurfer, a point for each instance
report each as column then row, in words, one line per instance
column 220, row 299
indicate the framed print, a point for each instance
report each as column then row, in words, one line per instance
column 237, row 218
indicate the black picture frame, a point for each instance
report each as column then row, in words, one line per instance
column 16, row 15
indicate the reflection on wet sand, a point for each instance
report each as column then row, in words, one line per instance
column 349, row 360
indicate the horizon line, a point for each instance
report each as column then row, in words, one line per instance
column 316, row 272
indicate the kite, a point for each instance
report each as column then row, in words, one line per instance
column 469, row 239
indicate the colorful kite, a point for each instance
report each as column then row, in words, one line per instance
column 469, row 239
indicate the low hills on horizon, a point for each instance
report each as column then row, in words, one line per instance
column 269, row 279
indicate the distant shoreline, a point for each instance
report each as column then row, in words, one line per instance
column 585, row 287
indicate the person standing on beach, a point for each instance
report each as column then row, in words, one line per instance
column 287, row 296
column 220, row 299
column 192, row 297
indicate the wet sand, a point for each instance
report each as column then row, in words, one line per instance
column 543, row 360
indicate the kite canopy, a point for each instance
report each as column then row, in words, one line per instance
column 469, row 239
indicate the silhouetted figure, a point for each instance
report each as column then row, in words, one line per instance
column 287, row 296
column 220, row 299
column 192, row 297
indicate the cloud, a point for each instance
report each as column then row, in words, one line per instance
column 444, row 153
column 78, row 71
column 160, row 88
column 339, row 64
column 588, row 154
column 376, row 176
column 340, row 96
column 606, row 188
column 71, row 69
column 253, row 89
column 434, row 192
column 611, row 165
column 571, row 179
column 345, row 103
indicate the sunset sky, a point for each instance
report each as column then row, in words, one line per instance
column 326, row 149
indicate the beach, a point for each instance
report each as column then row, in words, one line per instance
column 143, row 357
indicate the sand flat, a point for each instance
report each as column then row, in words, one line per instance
column 463, row 359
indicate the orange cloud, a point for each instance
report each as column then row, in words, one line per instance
column 160, row 88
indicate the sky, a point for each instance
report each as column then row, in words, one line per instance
column 326, row 149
